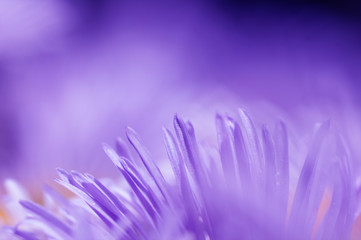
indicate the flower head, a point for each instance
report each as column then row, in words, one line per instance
column 244, row 190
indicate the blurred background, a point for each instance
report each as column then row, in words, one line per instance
column 75, row 73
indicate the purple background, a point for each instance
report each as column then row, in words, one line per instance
column 74, row 74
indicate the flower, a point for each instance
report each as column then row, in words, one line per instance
column 244, row 190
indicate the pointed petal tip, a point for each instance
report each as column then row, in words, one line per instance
column 178, row 120
column 242, row 111
column 106, row 148
column 218, row 115
column 61, row 171
column 114, row 157
column 243, row 114
column 133, row 136
column 166, row 131
column 25, row 203
column 105, row 144
column 130, row 130
column 281, row 123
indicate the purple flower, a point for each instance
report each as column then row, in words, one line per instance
column 248, row 188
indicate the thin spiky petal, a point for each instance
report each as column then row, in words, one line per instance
column 227, row 150
column 306, row 184
column 253, row 147
column 149, row 164
column 47, row 216
column 189, row 148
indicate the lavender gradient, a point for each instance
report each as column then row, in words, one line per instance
column 74, row 74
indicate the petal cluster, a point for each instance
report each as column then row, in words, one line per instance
column 243, row 190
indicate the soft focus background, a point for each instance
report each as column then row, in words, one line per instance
column 74, row 74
